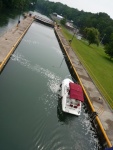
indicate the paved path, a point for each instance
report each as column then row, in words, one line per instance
column 105, row 114
column 11, row 39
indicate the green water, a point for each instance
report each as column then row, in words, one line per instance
column 30, row 111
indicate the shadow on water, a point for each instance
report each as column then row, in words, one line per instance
column 8, row 19
column 6, row 15
column 86, row 122
column 94, row 127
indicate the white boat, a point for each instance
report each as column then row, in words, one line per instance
column 72, row 97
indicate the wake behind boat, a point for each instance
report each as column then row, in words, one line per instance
column 72, row 96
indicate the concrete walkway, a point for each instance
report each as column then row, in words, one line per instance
column 100, row 105
column 10, row 40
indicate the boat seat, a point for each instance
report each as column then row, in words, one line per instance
column 71, row 105
column 75, row 106
column 78, row 104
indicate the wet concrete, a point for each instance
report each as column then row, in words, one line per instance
column 99, row 103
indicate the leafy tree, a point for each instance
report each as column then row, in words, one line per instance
column 81, row 19
column 63, row 21
column 108, row 31
column 109, row 47
column 15, row 3
column 92, row 35
column 1, row 4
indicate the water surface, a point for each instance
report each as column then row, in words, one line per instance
column 30, row 110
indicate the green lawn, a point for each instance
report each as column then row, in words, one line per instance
column 97, row 64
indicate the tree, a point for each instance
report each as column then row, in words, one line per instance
column 109, row 47
column 92, row 35
column 15, row 3
column 1, row 4
column 81, row 19
column 108, row 32
column 63, row 21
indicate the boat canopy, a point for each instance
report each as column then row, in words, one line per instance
column 76, row 92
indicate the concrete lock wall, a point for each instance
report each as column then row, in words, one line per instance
column 96, row 122
column 15, row 44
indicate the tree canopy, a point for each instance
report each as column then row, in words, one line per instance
column 63, row 21
column 81, row 19
column 109, row 47
column 92, row 35
column 15, row 3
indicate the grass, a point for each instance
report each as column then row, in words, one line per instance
column 97, row 63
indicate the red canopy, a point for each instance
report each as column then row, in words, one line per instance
column 76, row 92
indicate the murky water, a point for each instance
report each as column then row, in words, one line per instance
column 30, row 110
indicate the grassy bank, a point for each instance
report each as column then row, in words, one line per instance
column 98, row 65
